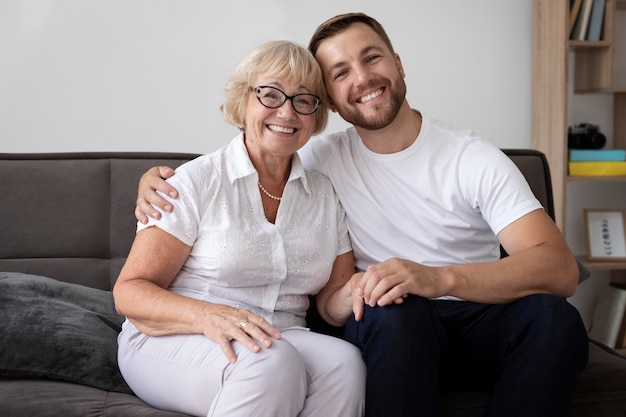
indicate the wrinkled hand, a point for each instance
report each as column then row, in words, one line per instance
column 358, row 296
column 147, row 196
column 392, row 280
column 225, row 324
column 358, row 304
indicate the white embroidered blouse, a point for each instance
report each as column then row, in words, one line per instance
column 240, row 259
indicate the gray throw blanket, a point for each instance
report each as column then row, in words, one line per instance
column 52, row 329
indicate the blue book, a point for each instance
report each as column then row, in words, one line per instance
column 595, row 20
column 597, row 155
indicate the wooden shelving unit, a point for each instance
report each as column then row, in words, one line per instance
column 602, row 266
column 594, row 71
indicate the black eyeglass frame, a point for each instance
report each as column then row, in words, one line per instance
column 256, row 91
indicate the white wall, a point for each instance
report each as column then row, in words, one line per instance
column 132, row 75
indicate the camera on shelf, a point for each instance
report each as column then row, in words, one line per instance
column 585, row 136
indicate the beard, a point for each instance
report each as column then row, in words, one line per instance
column 385, row 114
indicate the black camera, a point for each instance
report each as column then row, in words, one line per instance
column 585, row 136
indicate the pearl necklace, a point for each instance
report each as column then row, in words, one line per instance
column 267, row 193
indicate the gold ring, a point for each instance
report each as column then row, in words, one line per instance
column 243, row 324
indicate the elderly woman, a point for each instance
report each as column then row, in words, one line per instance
column 216, row 292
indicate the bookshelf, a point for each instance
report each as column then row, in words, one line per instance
column 598, row 67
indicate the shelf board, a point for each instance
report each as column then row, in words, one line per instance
column 593, row 90
column 575, row 45
column 603, row 178
column 601, row 266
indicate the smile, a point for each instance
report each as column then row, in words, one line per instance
column 281, row 129
column 371, row 96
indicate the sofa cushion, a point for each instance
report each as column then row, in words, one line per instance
column 59, row 330
column 47, row 398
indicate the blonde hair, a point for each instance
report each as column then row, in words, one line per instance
column 281, row 59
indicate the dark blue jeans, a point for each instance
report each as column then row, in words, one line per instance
column 527, row 353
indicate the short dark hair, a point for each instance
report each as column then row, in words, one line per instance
column 341, row 22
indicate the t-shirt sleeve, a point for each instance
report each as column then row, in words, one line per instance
column 495, row 186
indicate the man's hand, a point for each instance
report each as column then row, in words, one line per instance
column 147, row 196
column 390, row 282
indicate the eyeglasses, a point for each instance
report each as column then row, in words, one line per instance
column 273, row 98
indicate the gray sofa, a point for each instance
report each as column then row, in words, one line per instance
column 67, row 222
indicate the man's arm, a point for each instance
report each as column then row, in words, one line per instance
column 539, row 261
column 147, row 196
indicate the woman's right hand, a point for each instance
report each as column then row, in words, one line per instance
column 147, row 196
column 141, row 294
column 220, row 323
column 225, row 324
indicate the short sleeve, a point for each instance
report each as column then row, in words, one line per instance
column 184, row 221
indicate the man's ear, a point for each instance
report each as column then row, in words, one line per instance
column 399, row 65
column 331, row 105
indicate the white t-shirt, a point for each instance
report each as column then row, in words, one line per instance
column 439, row 202
column 240, row 259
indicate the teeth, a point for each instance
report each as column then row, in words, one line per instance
column 281, row 129
column 369, row 97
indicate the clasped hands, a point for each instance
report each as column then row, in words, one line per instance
column 391, row 281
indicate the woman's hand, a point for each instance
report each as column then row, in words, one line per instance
column 358, row 304
column 337, row 300
column 225, row 324
column 141, row 294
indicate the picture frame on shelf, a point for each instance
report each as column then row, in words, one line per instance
column 605, row 231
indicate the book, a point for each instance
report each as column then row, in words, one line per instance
column 597, row 168
column 609, row 315
column 595, row 20
column 597, row 155
column 582, row 23
column 573, row 13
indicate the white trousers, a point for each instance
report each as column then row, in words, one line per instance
column 303, row 374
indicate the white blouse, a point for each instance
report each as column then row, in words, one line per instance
column 240, row 259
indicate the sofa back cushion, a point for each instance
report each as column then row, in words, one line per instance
column 71, row 216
